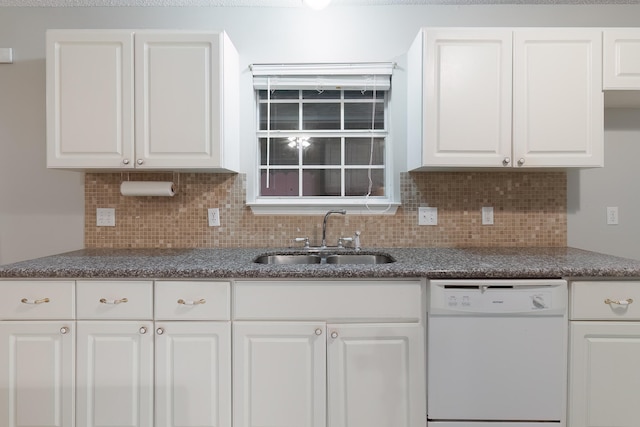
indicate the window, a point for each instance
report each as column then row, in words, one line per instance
column 322, row 134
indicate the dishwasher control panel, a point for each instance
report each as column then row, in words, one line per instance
column 498, row 296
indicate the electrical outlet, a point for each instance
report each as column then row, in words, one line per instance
column 427, row 216
column 214, row 217
column 487, row 215
column 612, row 215
column 105, row 217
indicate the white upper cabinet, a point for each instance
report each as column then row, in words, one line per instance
column 621, row 68
column 500, row 97
column 558, row 104
column 460, row 97
column 144, row 99
column 89, row 99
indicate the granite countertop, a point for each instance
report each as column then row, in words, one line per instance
column 440, row 263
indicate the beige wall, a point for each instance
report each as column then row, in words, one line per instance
column 42, row 211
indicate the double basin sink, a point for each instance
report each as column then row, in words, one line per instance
column 324, row 258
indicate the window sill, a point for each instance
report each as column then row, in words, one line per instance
column 315, row 207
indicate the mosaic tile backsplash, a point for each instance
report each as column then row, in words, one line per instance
column 529, row 210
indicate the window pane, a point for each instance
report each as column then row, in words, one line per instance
column 283, row 116
column 322, row 151
column 279, row 94
column 280, row 153
column 367, row 94
column 357, row 182
column 358, row 115
column 281, row 183
column 358, row 151
column 323, row 94
column 320, row 116
column 321, row 182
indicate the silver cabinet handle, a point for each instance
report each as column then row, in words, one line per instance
column 506, row 161
column 143, row 330
column 618, row 302
column 334, row 334
column 318, row 331
column 520, row 162
column 159, row 331
column 196, row 302
column 64, row 330
column 35, row 301
column 113, row 301
column 125, row 161
column 140, row 161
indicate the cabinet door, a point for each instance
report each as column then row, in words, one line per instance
column 376, row 376
column 37, row 373
column 621, row 59
column 89, row 99
column 558, row 103
column 115, row 374
column 193, row 374
column 604, row 374
column 279, row 374
column 178, row 94
column 467, row 97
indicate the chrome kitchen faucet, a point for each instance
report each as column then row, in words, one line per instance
column 324, row 224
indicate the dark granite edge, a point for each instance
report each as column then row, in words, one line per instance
column 237, row 263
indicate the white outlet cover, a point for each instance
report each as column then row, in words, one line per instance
column 427, row 215
column 105, row 217
column 213, row 216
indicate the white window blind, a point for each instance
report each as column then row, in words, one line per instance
column 362, row 76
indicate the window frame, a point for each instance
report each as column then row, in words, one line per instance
column 343, row 77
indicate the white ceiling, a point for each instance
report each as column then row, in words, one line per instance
column 287, row 3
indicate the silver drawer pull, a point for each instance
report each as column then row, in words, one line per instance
column 35, row 301
column 196, row 302
column 113, row 301
column 619, row 302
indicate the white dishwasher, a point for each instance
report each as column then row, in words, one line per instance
column 497, row 353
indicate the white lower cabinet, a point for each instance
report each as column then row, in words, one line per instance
column 115, row 374
column 138, row 353
column 279, row 375
column 153, row 354
column 604, row 373
column 37, row 353
column 193, row 374
column 375, row 375
column 37, row 373
column 342, row 364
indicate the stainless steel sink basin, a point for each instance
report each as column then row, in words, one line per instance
column 359, row 259
column 291, row 259
column 288, row 259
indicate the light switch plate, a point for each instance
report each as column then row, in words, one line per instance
column 612, row 215
column 487, row 215
column 6, row 55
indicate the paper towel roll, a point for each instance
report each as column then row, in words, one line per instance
column 147, row 188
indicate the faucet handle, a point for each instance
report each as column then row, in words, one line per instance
column 356, row 241
column 343, row 240
column 303, row 239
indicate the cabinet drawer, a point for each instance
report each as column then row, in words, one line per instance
column 36, row 300
column 604, row 300
column 114, row 300
column 366, row 300
column 192, row 300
